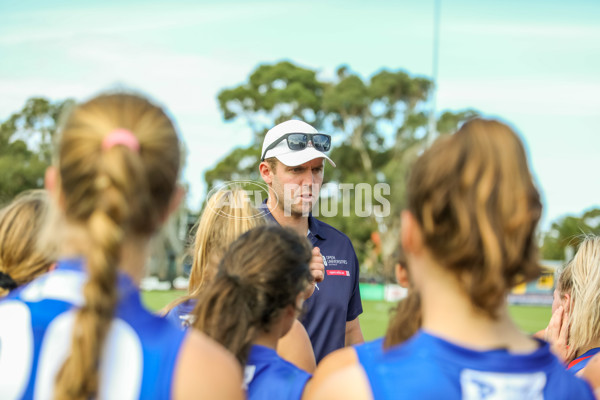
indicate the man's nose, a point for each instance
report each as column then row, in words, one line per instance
column 308, row 178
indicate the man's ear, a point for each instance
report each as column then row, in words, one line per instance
column 411, row 235
column 266, row 172
column 174, row 203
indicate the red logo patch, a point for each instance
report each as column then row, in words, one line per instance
column 338, row 272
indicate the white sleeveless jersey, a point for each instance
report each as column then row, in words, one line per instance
column 36, row 323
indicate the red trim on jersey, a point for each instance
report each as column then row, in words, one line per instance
column 578, row 360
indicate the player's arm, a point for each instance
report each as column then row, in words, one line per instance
column 350, row 383
column 331, row 364
column 353, row 332
column 296, row 348
column 205, row 370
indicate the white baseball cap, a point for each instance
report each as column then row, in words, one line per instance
column 283, row 153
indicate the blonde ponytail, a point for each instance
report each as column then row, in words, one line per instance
column 22, row 257
column 114, row 192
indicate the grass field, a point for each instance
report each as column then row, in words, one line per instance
column 375, row 314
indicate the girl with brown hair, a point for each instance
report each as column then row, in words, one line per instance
column 469, row 236
column 81, row 331
column 253, row 301
column 228, row 214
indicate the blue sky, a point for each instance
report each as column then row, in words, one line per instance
column 535, row 64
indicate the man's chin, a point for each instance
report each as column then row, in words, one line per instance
column 299, row 212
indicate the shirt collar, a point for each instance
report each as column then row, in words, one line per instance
column 262, row 353
column 315, row 228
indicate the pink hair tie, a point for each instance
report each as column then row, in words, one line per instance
column 122, row 137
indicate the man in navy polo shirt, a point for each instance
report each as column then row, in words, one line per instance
column 292, row 163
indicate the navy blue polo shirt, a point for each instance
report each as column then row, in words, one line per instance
column 336, row 300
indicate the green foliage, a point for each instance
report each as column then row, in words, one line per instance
column 25, row 145
column 240, row 164
column 569, row 231
column 274, row 93
column 448, row 121
column 379, row 125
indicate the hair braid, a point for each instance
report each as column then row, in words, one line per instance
column 112, row 193
column 78, row 378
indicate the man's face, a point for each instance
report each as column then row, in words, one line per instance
column 297, row 188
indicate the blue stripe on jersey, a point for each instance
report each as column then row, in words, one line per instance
column 271, row 377
column 51, row 300
column 428, row 367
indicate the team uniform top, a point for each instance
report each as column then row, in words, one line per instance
column 139, row 354
column 336, row 299
column 369, row 350
column 268, row 376
column 428, row 367
column 180, row 315
column 580, row 362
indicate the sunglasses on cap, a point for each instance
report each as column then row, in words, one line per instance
column 299, row 141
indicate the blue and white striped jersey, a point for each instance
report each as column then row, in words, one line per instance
column 36, row 323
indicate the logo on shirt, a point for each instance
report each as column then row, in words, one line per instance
column 187, row 320
column 480, row 385
column 331, row 261
column 338, row 272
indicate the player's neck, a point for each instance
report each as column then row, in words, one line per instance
column 592, row 345
column 298, row 223
column 134, row 251
column 449, row 313
column 267, row 339
column 134, row 255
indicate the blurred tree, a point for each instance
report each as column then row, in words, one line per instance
column 25, row 145
column 569, row 231
column 378, row 127
column 273, row 94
